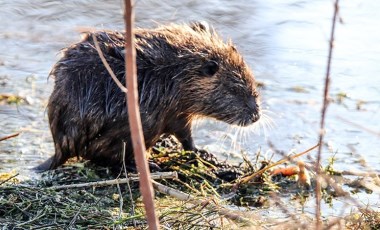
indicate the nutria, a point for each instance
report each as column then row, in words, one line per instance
column 184, row 72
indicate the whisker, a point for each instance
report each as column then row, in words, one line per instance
column 243, row 136
column 235, row 137
column 269, row 121
column 240, row 135
column 234, row 143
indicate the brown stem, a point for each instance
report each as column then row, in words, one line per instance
column 9, row 136
column 137, row 137
column 133, row 177
column 10, row 178
column 105, row 63
column 323, row 115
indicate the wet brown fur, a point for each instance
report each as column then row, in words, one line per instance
column 184, row 72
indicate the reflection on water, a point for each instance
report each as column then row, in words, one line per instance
column 285, row 43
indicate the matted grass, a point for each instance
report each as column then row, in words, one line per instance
column 35, row 204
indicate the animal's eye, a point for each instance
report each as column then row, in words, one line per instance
column 210, row 68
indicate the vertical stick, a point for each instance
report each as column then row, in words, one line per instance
column 137, row 137
column 323, row 115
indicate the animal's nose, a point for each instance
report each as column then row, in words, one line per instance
column 251, row 103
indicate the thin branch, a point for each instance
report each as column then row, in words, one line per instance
column 137, row 136
column 156, row 176
column 128, row 185
column 323, row 115
column 10, row 178
column 9, row 136
column 105, row 63
column 121, row 203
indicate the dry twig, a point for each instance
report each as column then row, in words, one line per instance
column 323, row 116
column 9, row 136
column 105, row 63
column 156, row 176
column 137, row 136
column 10, row 178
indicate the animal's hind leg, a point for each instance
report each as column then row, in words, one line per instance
column 58, row 158
column 63, row 140
column 62, row 152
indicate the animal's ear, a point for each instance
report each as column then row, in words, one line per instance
column 210, row 68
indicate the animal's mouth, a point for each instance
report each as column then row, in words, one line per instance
column 249, row 119
column 251, row 113
column 244, row 119
column 255, row 117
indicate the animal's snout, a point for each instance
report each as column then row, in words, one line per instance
column 254, row 108
column 252, row 104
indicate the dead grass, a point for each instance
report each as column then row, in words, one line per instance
column 34, row 204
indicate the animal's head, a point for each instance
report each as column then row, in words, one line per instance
column 215, row 80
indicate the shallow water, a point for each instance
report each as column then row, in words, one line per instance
column 285, row 43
